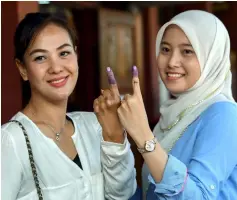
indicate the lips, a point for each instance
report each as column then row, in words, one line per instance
column 58, row 82
column 174, row 76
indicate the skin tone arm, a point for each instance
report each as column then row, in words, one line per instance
column 133, row 117
column 105, row 108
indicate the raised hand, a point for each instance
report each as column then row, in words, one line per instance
column 132, row 114
column 105, row 108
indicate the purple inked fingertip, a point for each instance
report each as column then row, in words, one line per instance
column 111, row 78
column 134, row 71
column 108, row 69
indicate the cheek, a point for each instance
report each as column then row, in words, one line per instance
column 194, row 72
column 194, row 68
column 72, row 63
column 36, row 72
column 161, row 63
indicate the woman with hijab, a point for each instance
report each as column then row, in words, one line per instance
column 191, row 152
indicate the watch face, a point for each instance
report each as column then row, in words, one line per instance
column 150, row 146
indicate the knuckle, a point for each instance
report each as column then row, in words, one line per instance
column 109, row 103
column 119, row 111
column 107, row 93
column 103, row 106
column 95, row 102
column 101, row 99
column 96, row 108
column 123, row 104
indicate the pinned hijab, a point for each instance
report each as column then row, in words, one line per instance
column 210, row 41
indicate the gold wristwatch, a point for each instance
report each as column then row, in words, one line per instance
column 150, row 145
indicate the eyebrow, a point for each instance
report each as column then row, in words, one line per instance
column 182, row 44
column 44, row 51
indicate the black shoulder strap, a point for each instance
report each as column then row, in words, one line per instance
column 32, row 162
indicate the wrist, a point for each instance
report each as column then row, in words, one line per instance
column 142, row 140
column 115, row 137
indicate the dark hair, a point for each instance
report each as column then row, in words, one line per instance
column 30, row 26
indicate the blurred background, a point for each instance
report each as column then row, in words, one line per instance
column 116, row 34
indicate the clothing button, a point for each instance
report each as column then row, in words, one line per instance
column 153, row 187
column 176, row 173
column 212, row 187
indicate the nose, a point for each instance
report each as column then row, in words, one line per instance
column 55, row 66
column 175, row 60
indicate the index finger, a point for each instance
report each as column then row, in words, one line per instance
column 135, row 82
column 112, row 81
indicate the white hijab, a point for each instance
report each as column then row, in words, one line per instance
column 211, row 43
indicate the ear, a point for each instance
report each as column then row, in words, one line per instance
column 22, row 69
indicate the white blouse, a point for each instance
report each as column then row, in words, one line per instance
column 108, row 168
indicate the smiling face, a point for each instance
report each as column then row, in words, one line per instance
column 178, row 65
column 50, row 64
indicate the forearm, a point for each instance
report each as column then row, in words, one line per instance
column 178, row 183
column 118, row 169
column 156, row 162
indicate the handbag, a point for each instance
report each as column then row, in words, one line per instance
column 31, row 158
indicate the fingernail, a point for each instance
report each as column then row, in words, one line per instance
column 111, row 76
column 102, row 91
column 134, row 71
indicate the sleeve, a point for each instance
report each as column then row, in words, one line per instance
column 11, row 168
column 118, row 168
column 211, row 163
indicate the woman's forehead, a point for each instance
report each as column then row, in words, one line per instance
column 50, row 35
column 174, row 33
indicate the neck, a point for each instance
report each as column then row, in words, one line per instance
column 46, row 111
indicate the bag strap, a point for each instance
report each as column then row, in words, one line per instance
column 31, row 158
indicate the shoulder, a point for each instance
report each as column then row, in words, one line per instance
column 12, row 129
column 219, row 122
column 12, row 133
column 12, row 137
column 225, row 110
column 215, row 130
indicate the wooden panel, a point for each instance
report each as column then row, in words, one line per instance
column 120, row 47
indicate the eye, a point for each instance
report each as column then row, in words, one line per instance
column 165, row 49
column 64, row 53
column 188, row 52
column 39, row 58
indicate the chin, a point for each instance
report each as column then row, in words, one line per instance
column 176, row 91
column 58, row 97
column 62, row 97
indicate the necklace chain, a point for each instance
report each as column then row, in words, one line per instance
column 182, row 114
column 57, row 134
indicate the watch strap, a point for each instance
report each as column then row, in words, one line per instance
column 143, row 150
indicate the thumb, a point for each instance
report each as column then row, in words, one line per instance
column 135, row 82
column 112, row 81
